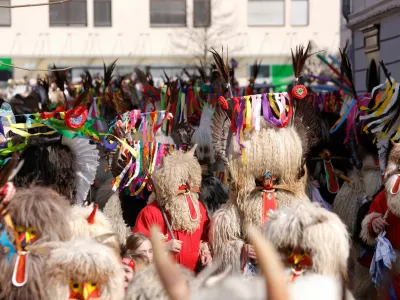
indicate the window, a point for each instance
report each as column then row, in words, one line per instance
column 264, row 71
column 201, row 13
column 5, row 13
column 299, row 13
column 266, row 13
column 168, row 13
column 102, row 13
column 73, row 13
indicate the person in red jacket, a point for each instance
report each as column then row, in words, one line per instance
column 384, row 214
column 176, row 210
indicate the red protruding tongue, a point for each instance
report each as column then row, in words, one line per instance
column 396, row 186
column 192, row 210
column 20, row 275
column 269, row 203
column 331, row 180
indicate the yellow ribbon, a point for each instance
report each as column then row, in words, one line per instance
column 273, row 105
column 248, row 113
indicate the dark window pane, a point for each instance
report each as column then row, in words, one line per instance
column 264, row 71
column 202, row 13
column 5, row 13
column 168, row 13
column 73, row 13
column 102, row 12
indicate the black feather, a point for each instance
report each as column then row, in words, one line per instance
column 108, row 73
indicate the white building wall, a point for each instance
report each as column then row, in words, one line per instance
column 31, row 41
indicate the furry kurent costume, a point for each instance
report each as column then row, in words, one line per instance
column 39, row 214
column 387, row 205
column 83, row 268
column 310, row 239
column 176, row 208
column 271, row 153
column 272, row 285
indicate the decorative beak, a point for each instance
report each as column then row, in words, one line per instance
column 92, row 215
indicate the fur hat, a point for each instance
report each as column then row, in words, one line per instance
column 89, row 221
column 319, row 233
column 83, row 260
column 40, row 214
column 177, row 170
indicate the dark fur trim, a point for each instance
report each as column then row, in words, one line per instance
column 213, row 193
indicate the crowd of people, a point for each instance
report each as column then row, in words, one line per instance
column 117, row 189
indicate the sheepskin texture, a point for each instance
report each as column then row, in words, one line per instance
column 81, row 228
column 371, row 175
column 84, row 260
column 104, row 193
column 48, row 212
column 45, row 210
column 312, row 228
column 228, row 228
column 225, row 237
column 277, row 150
column 212, row 193
column 365, row 235
column 233, row 288
column 317, row 287
column 55, row 168
column 147, row 285
column 349, row 199
column 165, row 139
column 175, row 170
column 113, row 212
column 202, row 137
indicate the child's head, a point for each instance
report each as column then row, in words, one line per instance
column 133, row 263
column 138, row 243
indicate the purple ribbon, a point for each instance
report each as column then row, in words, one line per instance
column 240, row 122
column 267, row 112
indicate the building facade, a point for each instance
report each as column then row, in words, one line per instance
column 164, row 34
column 373, row 25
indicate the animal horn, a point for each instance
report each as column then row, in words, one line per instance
column 270, row 265
column 193, row 150
column 92, row 215
column 171, row 277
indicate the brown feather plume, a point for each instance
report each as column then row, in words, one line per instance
column 299, row 59
column 141, row 76
column 220, row 127
column 221, row 65
column 108, row 73
column 202, row 72
column 44, row 83
column 8, row 169
column 255, row 69
column 345, row 67
column 60, row 78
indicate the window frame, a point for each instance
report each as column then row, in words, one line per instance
column 68, row 23
column 268, row 25
column 94, row 15
column 10, row 11
column 168, row 25
column 308, row 14
column 209, row 15
column 250, row 66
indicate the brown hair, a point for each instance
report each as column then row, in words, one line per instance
column 134, row 241
column 140, row 260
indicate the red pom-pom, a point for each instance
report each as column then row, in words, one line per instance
column 76, row 117
column 222, row 101
column 299, row 91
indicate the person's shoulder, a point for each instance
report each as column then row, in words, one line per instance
column 152, row 208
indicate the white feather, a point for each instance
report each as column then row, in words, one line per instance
column 86, row 164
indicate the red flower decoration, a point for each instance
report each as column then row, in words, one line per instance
column 76, row 117
column 299, row 91
column 222, row 101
